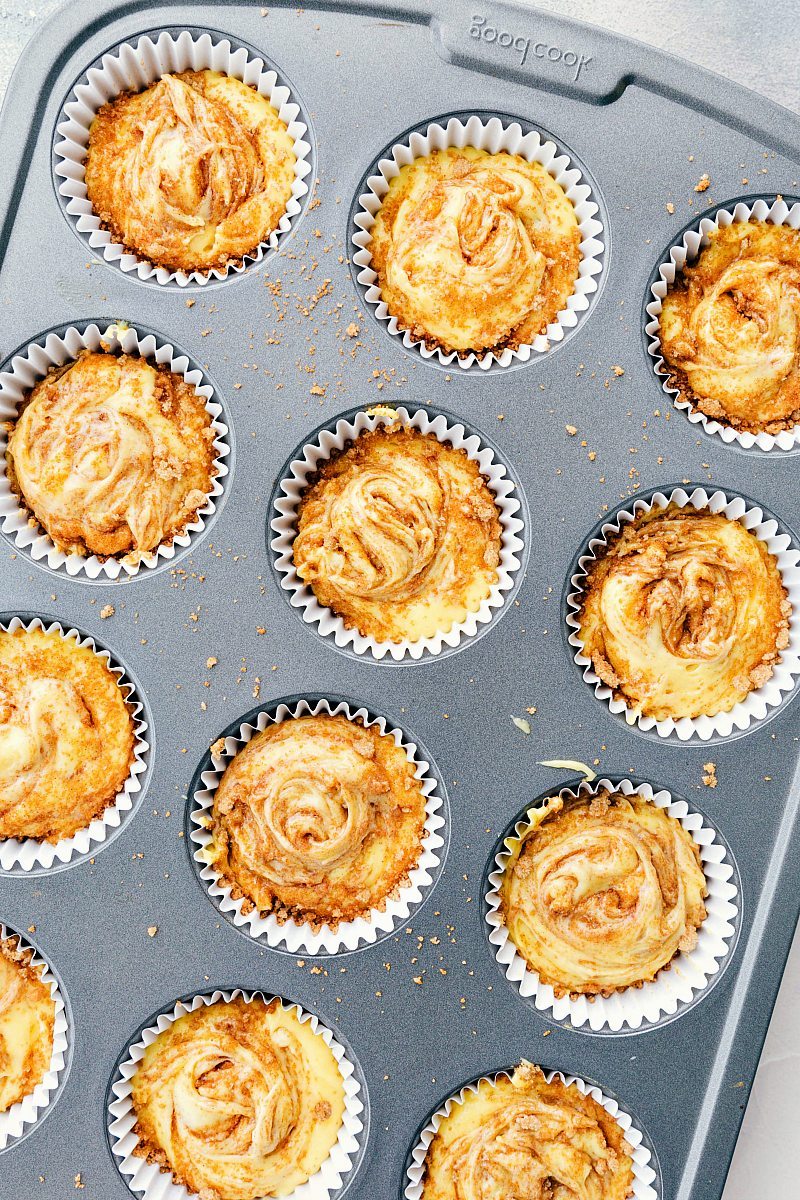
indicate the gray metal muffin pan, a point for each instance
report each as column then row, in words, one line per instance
column 647, row 127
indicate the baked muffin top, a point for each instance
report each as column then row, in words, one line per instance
column 192, row 173
column 600, row 892
column 730, row 327
column 239, row 1100
column 475, row 251
column 559, row 1141
column 112, row 454
column 319, row 819
column 66, row 735
column 399, row 535
column 684, row 613
column 27, row 1019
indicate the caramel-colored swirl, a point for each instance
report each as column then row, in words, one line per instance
column 475, row 251
column 191, row 173
column 240, row 1100
column 529, row 1138
column 27, row 1017
column 684, row 614
column 601, row 892
column 730, row 327
column 66, row 736
column 399, row 535
column 317, row 818
column 112, row 455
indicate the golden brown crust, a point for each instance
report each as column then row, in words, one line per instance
column 399, row 535
column 601, row 892
column 561, row 1143
column 238, row 1100
column 192, row 173
column 112, row 455
column 27, row 1023
column 66, row 735
column 730, row 328
column 318, row 820
column 684, row 613
column 475, row 252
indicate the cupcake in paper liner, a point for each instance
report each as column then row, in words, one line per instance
column 31, row 998
column 478, row 244
column 522, row 1120
column 723, row 324
column 181, row 217
column 68, row 702
column 319, row 828
column 659, row 926
column 289, row 1076
column 398, row 533
column 684, row 613
column 86, row 487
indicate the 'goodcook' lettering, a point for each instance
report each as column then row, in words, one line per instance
column 482, row 31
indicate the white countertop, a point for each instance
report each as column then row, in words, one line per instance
column 756, row 43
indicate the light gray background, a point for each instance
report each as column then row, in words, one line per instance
column 756, row 44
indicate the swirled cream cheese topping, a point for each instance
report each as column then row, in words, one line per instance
column 684, row 613
column 240, row 1100
column 66, row 735
column 317, row 818
column 600, row 892
column 193, row 172
column 112, row 455
column 522, row 1136
column 475, row 251
column 27, row 1018
column 399, row 535
column 730, row 327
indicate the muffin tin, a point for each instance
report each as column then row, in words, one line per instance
column 644, row 129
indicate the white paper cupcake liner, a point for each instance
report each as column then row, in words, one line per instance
column 687, row 250
column 21, row 855
column 758, row 703
column 153, row 1183
column 507, row 496
column 349, row 935
column 23, row 372
column 18, row 1121
column 133, row 66
column 493, row 136
column 646, row 1185
column 672, row 991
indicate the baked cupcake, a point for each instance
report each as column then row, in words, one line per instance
column 561, row 1142
column 27, row 1022
column 399, row 535
column 239, row 1100
column 730, row 328
column 66, row 735
column 112, row 455
column 192, row 173
column 475, row 252
column 317, row 819
column 600, row 892
column 684, row 613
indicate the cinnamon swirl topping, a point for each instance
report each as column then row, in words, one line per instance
column 684, row 614
column 239, row 1099
column 522, row 1132
column 475, row 251
column 600, row 892
column 730, row 327
column 27, row 1020
column 193, row 172
column 318, row 819
column 399, row 535
column 112, row 455
column 66, row 735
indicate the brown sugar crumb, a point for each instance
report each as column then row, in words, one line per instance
column 316, row 390
column 670, row 207
column 106, row 611
column 152, row 930
column 211, row 662
column 710, row 774
column 571, row 430
column 618, row 371
column 79, row 1184
column 703, row 183
column 218, row 747
column 352, row 330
